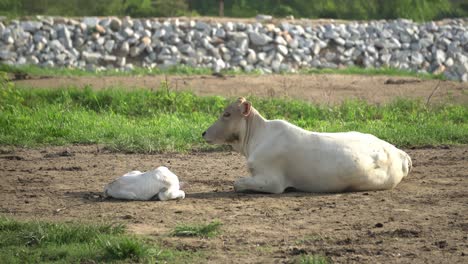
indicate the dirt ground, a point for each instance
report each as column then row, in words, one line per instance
column 317, row 88
column 423, row 220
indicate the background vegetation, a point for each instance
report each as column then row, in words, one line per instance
column 162, row 120
column 339, row 9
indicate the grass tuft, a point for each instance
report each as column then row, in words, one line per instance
column 204, row 230
column 124, row 248
column 43, row 242
column 312, row 259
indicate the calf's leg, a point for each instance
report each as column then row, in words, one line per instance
column 171, row 194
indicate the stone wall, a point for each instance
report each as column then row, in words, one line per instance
column 106, row 43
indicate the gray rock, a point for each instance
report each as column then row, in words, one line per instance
column 31, row 26
column 31, row 59
column 417, row 58
column 90, row 22
column 64, row 33
column 128, row 32
column 136, row 50
column 187, row 49
column 329, row 65
column 425, row 43
column 229, row 26
column 160, row 33
column 439, row 56
column 259, row 39
column 279, row 57
column 237, row 36
column 449, row 62
column 95, row 42
column 261, row 56
column 285, row 68
column 385, row 59
column 128, row 67
column 330, row 56
column 124, row 48
column 8, row 39
column 109, row 45
column 115, row 24
column 60, row 59
column 218, row 65
column 282, row 49
column 109, row 58
column 220, row 33
column 56, row 45
column 316, row 49
column 280, row 40
column 243, row 46
column 275, row 65
column 48, row 64
column 78, row 42
column 339, row 41
column 7, row 55
column 371, row 49
column 127, row 22
column 202, row 26
column 121, row 61
column 263, row 18
column 91, row 57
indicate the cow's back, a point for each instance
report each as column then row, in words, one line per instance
column 335, row 162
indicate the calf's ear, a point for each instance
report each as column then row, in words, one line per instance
column 246, row 106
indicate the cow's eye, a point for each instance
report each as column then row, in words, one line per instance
column 226, row 114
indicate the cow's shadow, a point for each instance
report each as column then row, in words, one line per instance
column 86, row 196
column 96, row 197
column 289, row 193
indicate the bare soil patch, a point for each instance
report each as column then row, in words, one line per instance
column 423, row 220
column 318, row 88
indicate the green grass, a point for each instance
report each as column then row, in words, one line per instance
column 165, row 121
column 203, row 230
column 34, row 70
column 387, row 71
column 43, row 242
column 312, row 259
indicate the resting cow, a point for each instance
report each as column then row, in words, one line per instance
column 281, row 155
column 137, row 185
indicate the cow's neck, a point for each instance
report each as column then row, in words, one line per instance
column 254, row 123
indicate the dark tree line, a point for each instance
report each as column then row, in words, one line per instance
column 339, row 9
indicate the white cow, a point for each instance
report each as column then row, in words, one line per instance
column 281, row 155
column 137, row 185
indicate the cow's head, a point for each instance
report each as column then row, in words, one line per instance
column 227, row 129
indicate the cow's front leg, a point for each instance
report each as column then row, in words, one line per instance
column 171, row 194
column 259, row 184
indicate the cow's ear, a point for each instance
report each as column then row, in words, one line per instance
column 246, row 106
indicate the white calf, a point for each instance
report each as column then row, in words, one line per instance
column 137, row 185
column 281, row 155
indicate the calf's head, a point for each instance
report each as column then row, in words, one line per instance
column 229, row 126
